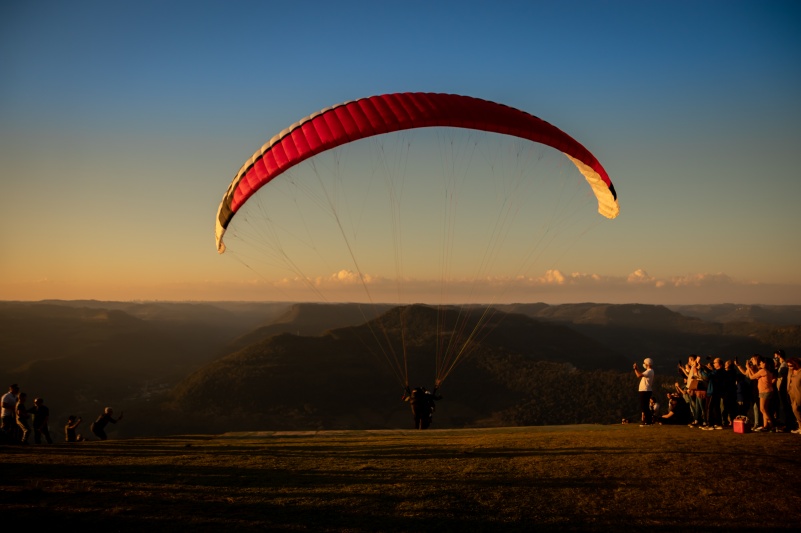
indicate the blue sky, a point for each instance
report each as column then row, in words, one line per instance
column 122, row 123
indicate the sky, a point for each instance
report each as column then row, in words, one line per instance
column 122, row 124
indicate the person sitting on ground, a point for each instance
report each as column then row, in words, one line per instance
column 69, row 430
column 678, row 410
column 98, row 427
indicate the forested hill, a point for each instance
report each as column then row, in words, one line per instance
column 523, row 371
column 342, row 380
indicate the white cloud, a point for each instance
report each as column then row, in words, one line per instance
column 343, row 276
column 553, row 277
column 640, row 276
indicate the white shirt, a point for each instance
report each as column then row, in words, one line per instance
column 11, row 400
column 647, row 380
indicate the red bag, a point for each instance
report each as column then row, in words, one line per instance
column 740, row 424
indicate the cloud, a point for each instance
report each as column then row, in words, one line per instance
column 698, row 280
column 640, row 276
column 552, row 286
column 347, row 277
column 553, row 277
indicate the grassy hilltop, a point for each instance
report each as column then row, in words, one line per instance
column 568, row 478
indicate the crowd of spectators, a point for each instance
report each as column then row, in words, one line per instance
column 763, row 392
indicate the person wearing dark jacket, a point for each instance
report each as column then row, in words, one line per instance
column 98, row 427
column 423, row 405
column 715, row 389
column 41, row 416
column 729, row 394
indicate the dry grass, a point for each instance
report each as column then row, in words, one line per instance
column 568, row 478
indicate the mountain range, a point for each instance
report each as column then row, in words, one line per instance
column 213, row 367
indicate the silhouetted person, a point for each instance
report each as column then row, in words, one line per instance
column 98, row 427
column 23, row 418
column 715, row 375
column 40, row 417
column 423, row 406
column 69, row 430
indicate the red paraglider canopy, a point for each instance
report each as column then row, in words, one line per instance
column 387, row 113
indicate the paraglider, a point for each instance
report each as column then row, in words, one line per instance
column 422, row 230
column 423, row 404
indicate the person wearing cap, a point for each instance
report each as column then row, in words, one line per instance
column 645, row 390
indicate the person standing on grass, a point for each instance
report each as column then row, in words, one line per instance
column 40, row 418
column 645, row 390
column 715, row 375
column 98, row 427
column 765, row 377
column 423, row 405
column 9, row 410
column 694, row 391
column 752, row 363
column 729, row 393
column 744, row 392
column 794, row 390
column 783, row 411
column 23, row 418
